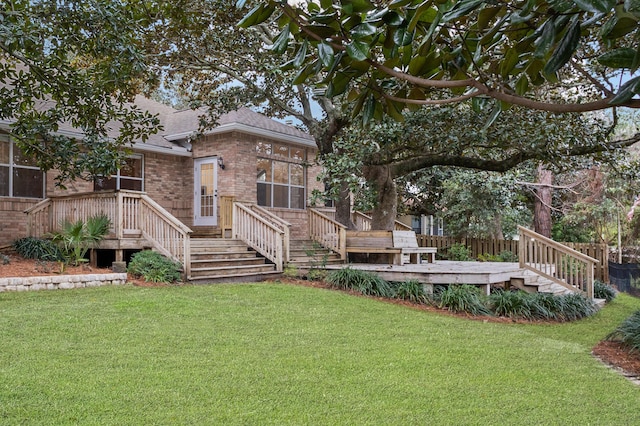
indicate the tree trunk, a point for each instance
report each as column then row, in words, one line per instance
column 497, row 232
column 542, row 204
column 343, row 206
column 385, row 212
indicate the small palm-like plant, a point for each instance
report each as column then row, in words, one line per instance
column 76, row 238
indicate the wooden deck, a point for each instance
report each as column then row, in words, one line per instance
column 443, row 272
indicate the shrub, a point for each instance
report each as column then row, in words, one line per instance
column 5, row 259
column 503, row 256
column 461, row 298
column 628, row 333
column 459, row 252
column 507, row 256
column 154, row 267
column 37, row 248
column 363, row 282
column 603, row 291
column 411, row 290
column 290, row 271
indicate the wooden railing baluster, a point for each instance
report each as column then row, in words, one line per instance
column 328, row 233
column 559, row 263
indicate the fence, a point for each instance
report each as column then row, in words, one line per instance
column 480, row 247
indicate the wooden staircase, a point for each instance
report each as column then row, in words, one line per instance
column 531, row 282
column 227, row 260
column 308, row 254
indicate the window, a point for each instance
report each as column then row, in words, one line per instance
column 129, row 176
column 280, row 175
column 19, row 174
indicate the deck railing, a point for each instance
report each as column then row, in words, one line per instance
column 132, row 214
column 226, row 214
column 559, row 263
column 279, row 223
column 327, row 232
column 363, row 223
column 259, row 233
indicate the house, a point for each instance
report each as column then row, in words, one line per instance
column 247, row 158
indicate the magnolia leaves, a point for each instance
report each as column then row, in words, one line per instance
column 388, row 56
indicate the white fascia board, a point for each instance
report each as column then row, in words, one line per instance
column 225, row 128
column 141, row 146
column 178, row 151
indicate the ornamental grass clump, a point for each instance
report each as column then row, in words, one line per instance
column 628, row 333
column 411, row 290
column 37, row 248
column 603, row 291
column 154, row 267
column 364, row 282
column 575, row 306
column 513, row 304
column 461, row 298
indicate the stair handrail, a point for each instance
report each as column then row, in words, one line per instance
column 259, row 234
column 557, row 262
column 328, row 232
column 164, row 231
column 280, row 223
column 39, row 218
column 363, row 222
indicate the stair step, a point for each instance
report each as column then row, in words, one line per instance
column 201, row 273
column 221, row 262
column 238, row 277
column 216, row 242
column 236, row 254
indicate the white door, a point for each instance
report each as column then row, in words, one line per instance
column 205, row 201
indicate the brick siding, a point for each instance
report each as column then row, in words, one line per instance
column 169, row 181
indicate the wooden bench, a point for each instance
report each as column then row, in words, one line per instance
column 407, row 242
column 374, row 242
column 395, row 244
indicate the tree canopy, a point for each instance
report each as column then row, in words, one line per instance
column 73, row 65
column 392, row 54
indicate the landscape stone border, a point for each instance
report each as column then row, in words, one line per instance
column 61, row 282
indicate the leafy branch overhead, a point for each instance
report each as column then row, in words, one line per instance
column 69, row 71
column 389, row 55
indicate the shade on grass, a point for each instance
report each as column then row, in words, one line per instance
column 279, row 354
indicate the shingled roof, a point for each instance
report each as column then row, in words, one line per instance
column 180, row 126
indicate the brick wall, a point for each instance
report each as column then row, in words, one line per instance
column 169, row 181
column 13, row 221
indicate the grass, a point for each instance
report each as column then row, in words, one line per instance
column 279, row 354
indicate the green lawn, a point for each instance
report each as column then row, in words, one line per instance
column 281, row 354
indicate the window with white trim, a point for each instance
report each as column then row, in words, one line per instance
column 281, row 175
column 19, row 174
column 129, row 176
